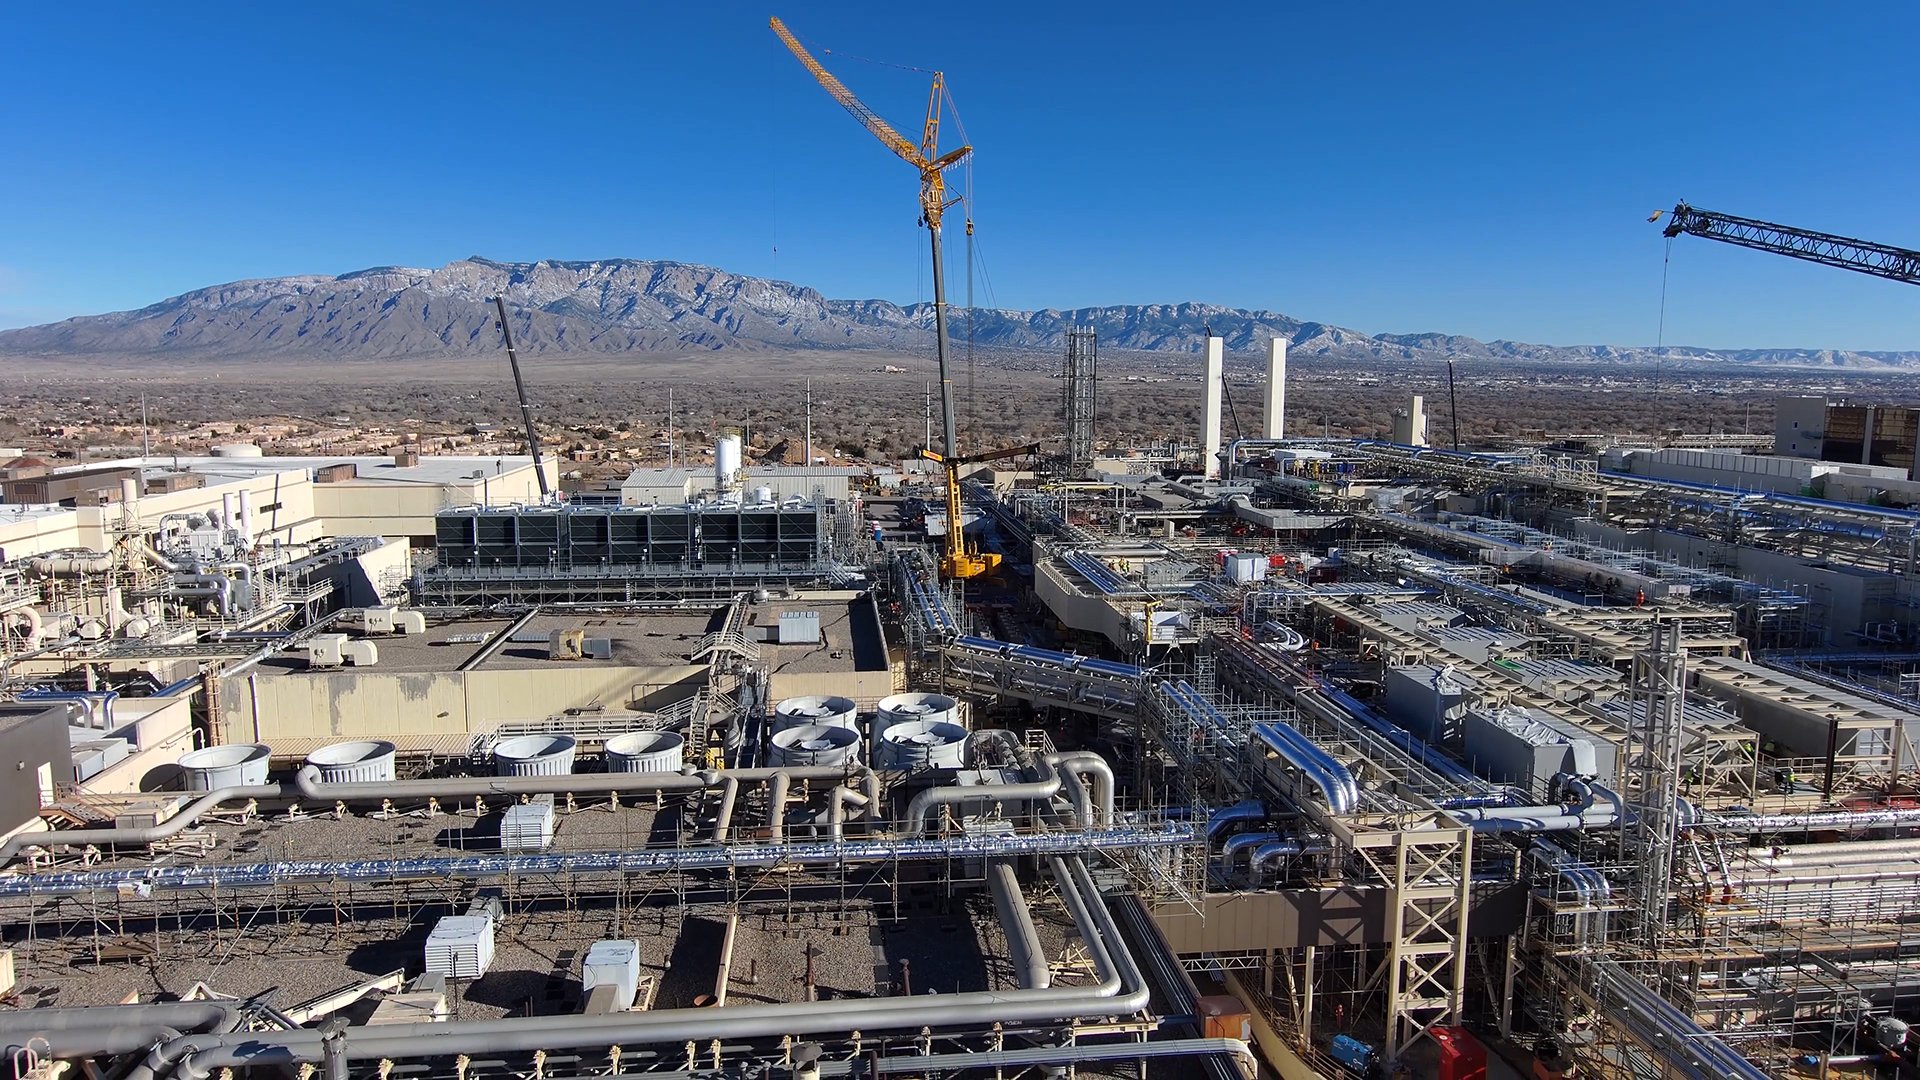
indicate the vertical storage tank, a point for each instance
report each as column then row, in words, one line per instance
column 226, row 766
column 814, row 744
column 726, row 463
column 923, row 744
column 913, row 708
column 535, row 755
column 645, row 751
column 815, row 710
column 362, row 761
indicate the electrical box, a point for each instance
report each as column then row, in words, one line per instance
column 326, row 650
column 613, row 964
column 566, row 644
column 378, row 620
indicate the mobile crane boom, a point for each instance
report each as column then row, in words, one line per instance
column 1862, row 256
column 956, row 560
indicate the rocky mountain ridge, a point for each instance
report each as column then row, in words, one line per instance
column 630, row 306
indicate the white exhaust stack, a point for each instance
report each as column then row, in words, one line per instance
column 1210, row 411
column 1277, row 390
column 246, row 518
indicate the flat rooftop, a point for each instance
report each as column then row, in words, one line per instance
column 640, row 639
column 370, row 468
column 857, row 948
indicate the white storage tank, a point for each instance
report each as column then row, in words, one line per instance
column 762, row 495
column 362, row 761
column 913, row 708
column 815, row 710
column 239, row 449
column 226, row 766
column 535, row 755
column 814, row 744
column 726, row 463
column 645, row 751
column 923, row 744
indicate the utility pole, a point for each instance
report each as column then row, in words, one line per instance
column 1453, row 407
column 669, row 427
column 809, row 462
column 520, row 388
column 146, row 441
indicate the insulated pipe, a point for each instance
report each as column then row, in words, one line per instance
column 201, row 876
column 1016, row 920
column 723, row 818
column 777, row 806
column 837, row 802
column 1088, row 763
column 1002, row 736
column 72, row 563
column 112, row 1040
column 1271, row 852
column 152, row 555
column 218, row 586
column 925, row 801
column 21, row 1024
column 13, row 845
column 308, row 781
column 1223, row 819
column 1230, row 851
column 1813, row 822
column 1121, row 991
column 1077, row 796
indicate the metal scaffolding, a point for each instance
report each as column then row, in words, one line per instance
column 1081, row 375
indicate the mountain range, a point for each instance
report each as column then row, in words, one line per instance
column 630, row 306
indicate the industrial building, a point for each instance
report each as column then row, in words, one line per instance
column 1315, row 756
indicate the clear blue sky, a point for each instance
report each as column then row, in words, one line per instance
column 1479, row 168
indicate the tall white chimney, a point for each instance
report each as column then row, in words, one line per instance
column 1210, row 412
column 1277, row 390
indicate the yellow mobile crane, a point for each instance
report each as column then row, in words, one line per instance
column 956, row 561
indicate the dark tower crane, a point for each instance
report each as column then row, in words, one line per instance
column 1862, row 256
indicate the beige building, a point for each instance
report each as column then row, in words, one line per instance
column 294, row 499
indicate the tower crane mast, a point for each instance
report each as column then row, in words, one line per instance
column 1861, row 256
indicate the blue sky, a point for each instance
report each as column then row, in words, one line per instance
column 1481, row 169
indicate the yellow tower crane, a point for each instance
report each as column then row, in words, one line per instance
column 956, row 560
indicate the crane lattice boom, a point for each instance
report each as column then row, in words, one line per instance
column 1863, row 256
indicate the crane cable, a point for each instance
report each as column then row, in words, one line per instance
column 1660, row 336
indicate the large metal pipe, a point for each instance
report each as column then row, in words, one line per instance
column 13, row 845
column 723, row 817
column 1016, row 921
column 308, row 785
column 1089, row 764
column 1120, row 992
column 1817, row 821
column 878, row 849
column 922, row 805
column 777, row 806
column 1230, row 851
column 837, row 803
